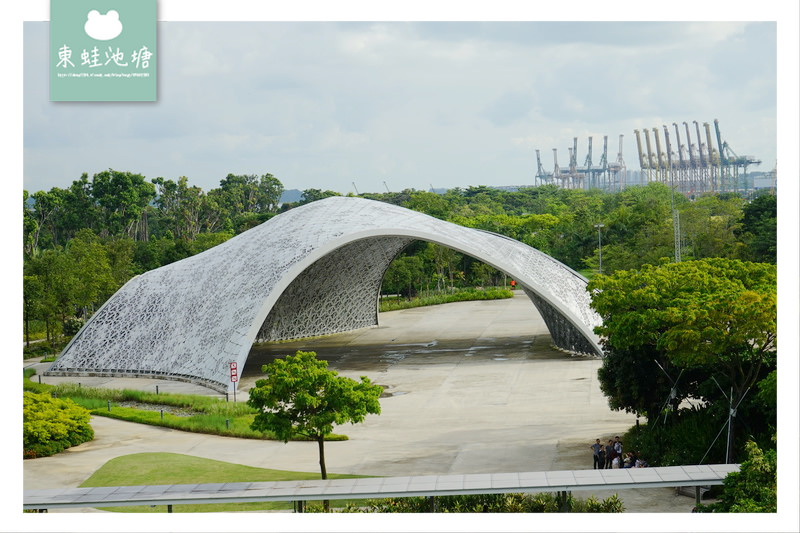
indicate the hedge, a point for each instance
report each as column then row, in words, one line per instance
column 50, row 425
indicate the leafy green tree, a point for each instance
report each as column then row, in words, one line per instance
column 312, row 195
column 122, row 199
column 39, row 216
column 32, row 295
column 429, row 203
column 172, row 250
column 638, row 228
column 709, row 226
column 238, row 194
column 445, row 262
column 270, row 190
column 482, row 274
column 759, row 229
column 89, row 265
column 147, row 255
column 204, row 241
column 300, row 396
column 633, row 382
column 403, row 274
column 120, row 252
column 79, row 210
column 58, row 285
column 180, row 206
column 30, row 226
column 711, row 316
column 767, row 396
column 754, row 488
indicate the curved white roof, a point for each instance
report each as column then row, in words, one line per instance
column 313, row 270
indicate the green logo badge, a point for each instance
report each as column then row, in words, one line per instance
column 103, row 50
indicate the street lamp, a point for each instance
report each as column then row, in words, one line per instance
column 600, row 244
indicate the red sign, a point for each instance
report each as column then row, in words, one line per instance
column 234, row 373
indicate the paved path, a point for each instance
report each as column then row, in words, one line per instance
column 472, row 387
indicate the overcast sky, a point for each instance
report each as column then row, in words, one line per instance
column 324, row 104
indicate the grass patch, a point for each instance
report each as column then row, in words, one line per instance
column 464, row 295
column 178, row 469
column 185, row 412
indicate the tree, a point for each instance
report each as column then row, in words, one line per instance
column 30, row 227
column 94, row 279
column 187, row 211
column 55, row 289
column 403, row 274
column 32, row 292
column 270, row 190
column 122, row 198
column 312, row 195
column 80, row 210
column 759, row 229
column 710, row 225
column 239, row 194
column 44, row 209
column 706, row 317
column 120, row 259
column 638, row 228
column 300, row 396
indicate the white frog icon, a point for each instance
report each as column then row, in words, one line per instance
column 103, row 27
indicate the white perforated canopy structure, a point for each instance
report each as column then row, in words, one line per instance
column 313, row 270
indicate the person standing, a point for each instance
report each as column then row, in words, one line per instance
column 618, row 447
column 597, row 452
column 609, row 454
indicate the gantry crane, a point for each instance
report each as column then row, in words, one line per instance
column 540, row 173
column 704, row 167
column 652, row 162
column 556, row 168
column 644, row 164
column 588, row 161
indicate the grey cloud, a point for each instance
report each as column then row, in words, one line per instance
column 325, row 104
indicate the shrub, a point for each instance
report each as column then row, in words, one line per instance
column 436, row 299
column 484, row 503
column 50, row 425
column 38, row 349
column 685, row 440
column 753, row 489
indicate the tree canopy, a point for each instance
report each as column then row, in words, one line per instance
column 689, row 330
column 717, row 314
column 301, row 396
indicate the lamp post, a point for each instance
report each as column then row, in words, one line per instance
column 600, row 244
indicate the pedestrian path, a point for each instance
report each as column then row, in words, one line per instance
column 381, row 487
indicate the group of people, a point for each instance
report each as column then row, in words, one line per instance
column 611, row 456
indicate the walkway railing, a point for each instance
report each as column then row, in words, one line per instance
column 381, row 487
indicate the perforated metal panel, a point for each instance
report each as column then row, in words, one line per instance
column 313, row 270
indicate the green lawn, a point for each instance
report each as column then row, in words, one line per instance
column 177, row 469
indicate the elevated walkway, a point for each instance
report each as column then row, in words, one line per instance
column 381, row 487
